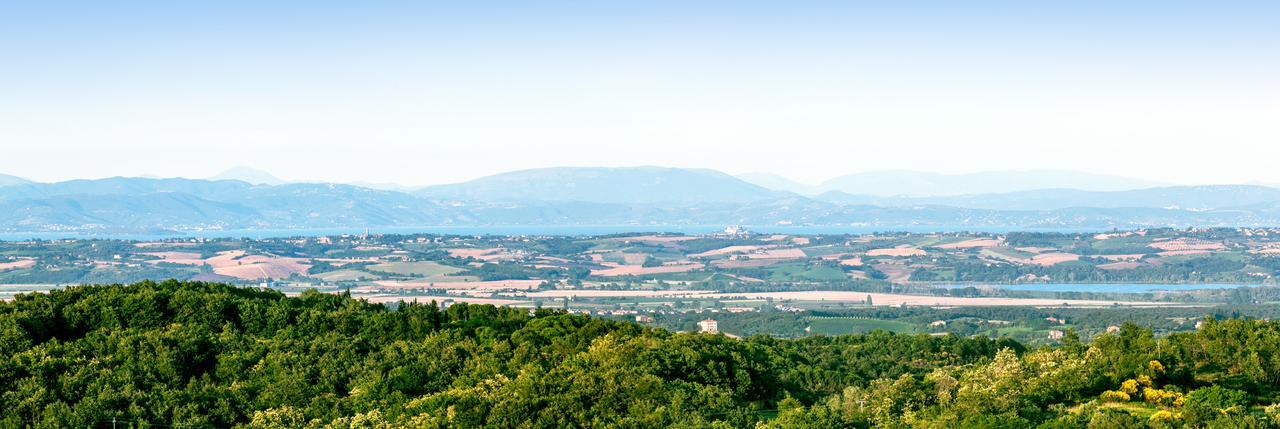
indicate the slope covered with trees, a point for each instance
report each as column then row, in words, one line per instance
column 178, row 354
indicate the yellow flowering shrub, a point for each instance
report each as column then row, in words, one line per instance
column 1163, row 398
column 1165, row 416
column 1114, row 396
column 1129, row 387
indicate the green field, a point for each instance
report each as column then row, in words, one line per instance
column 1123, row 243
column 1007, row 253
column 1016, row 330
column 790, row 272
column 417, row 268
column 846, row 325
column 929, row 241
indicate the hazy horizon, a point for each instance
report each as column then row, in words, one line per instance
column 415, row 94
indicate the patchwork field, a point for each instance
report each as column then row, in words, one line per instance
column 777, row 254
column 745, row 263
column 185, row 258
column 902, row 251
column 636, row 270
column 729, row 250
column 417, row 268
column 344, row 275
column 485, row 254
column 18, row 264
column 1053, row 258
column 1122, row 265
column 1186, row 245
column 655, row 265
column 251, row 267
column 973, row 243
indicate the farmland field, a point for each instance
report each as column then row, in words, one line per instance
column 417, row 268
column 343, row 275
column 791, row 272
column 847, row 325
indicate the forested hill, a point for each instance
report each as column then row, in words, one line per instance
column 177, row 354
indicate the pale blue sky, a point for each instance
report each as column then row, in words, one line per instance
column 1174, row 91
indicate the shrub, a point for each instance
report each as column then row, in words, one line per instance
column 1112, row 419
column 1163, row 398
column 1208, row 404
column 1114, row 396
column 1129, row 387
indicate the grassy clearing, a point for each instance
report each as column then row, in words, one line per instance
column 1136, row 409
column 1121, row 243
column 824, row 250
column 417, row 268
column 1016, row 330
column 846, row 325
column 929, row 241
column 791, row 272
column 1006, row 253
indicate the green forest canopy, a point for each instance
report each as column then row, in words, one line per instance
column 190, row 354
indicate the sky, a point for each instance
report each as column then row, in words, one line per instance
column 420, row 93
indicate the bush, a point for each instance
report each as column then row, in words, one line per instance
column 982, row 421
column 1208, row 404
column 1114, row 396
column 1129, row 387
column 1237, row 422
column 1112, row 419
column 1163, row 398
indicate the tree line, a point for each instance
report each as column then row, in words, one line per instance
column 191, row 354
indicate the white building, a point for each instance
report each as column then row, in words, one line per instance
column 709, row 326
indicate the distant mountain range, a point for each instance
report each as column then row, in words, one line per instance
column 896, row 183
column 631, row 185
column 249, row 175
column 1170, row 197
column 7, row 180
column 644, row 197
column 774, row 181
